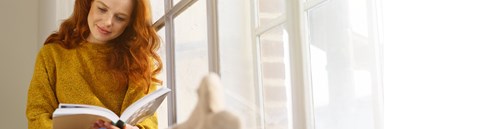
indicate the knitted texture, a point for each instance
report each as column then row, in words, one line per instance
column 77, row 76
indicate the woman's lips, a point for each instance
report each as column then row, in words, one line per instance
column 103, row 31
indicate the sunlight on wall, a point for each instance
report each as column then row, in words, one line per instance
column 431, row 64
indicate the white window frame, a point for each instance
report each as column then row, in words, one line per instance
column 295, row 22
column 302, row 107
column 167, row 21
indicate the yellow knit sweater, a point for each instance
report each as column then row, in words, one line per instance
column 77, row 76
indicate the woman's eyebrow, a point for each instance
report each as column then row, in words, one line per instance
column 100, row 2
column 118, row 13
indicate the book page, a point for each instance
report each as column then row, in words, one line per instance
column 144, row 107
column 66, row 105
column 73, row 115
column 80, row 118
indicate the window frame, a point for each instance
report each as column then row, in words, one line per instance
column 295, row 19
column 167, row 21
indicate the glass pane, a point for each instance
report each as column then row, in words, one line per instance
column 158, row 9
column 191, row 56
column 269, row 10
column 343, row 64
column 274, row 76
column 236, row 62
column 162, row 52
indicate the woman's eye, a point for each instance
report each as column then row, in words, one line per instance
column 120, row 18
column 102, row 10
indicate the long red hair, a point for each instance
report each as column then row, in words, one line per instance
column 134, row 57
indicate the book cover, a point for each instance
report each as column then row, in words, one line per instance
column 80, row 116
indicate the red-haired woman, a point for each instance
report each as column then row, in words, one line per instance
column 104, row 54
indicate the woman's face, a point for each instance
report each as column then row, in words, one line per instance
column 107, row 19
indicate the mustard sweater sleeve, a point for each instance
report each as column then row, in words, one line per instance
column 41, row 101
column 149, row 123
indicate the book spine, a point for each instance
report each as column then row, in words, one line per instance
column 120, row 124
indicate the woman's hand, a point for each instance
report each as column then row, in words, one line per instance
column 100, row 124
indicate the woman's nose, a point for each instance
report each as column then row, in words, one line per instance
column 108, row 21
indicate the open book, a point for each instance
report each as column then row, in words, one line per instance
column 79, row 116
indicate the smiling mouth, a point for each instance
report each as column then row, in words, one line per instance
column 103, row 31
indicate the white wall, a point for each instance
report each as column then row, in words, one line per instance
column 24, row 26
column 432, row 64
column 18, row 48
column 50, row 14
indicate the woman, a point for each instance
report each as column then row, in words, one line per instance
column 104, row 55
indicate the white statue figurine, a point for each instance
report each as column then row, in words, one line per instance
column 210, row 112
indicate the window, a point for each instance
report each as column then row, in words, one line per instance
column 284, row 64
column 331, row 64
column 186, row 52
column 344, row 62
column 191, row 56
column 275, row 86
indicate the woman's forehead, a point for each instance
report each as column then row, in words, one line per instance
column 117, row 6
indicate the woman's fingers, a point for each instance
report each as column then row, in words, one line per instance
column 100, row 124
column 109, row 125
